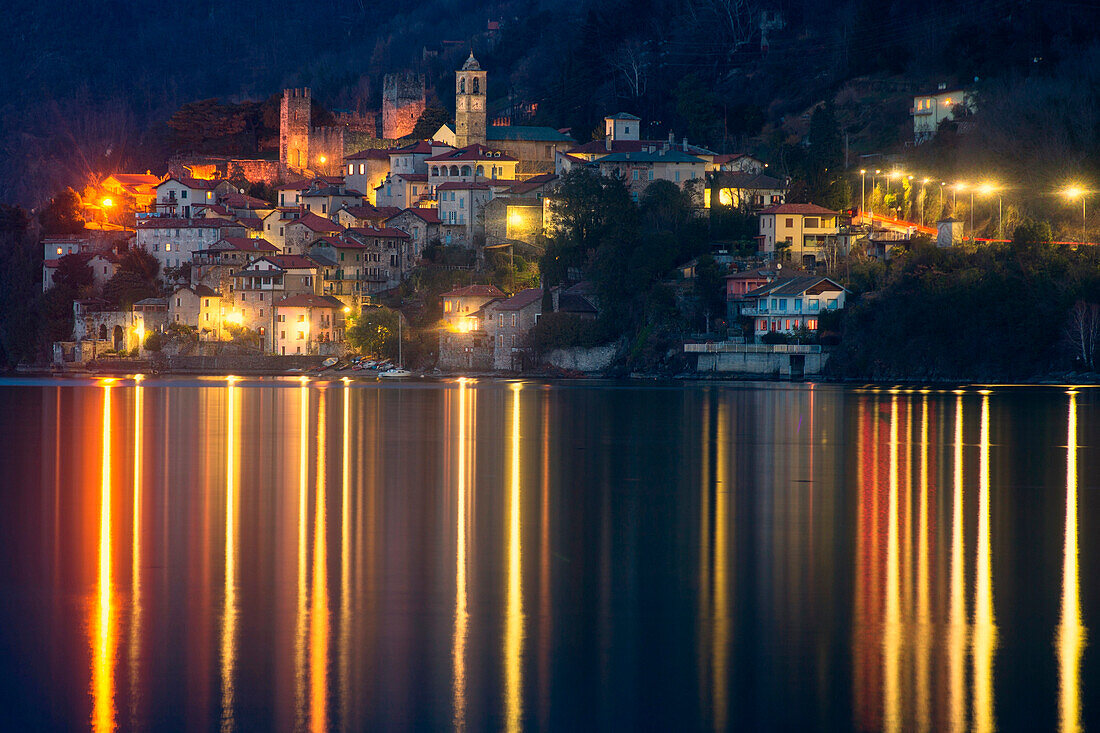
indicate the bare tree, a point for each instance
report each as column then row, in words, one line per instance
column 631, row 60
column 1083, row 331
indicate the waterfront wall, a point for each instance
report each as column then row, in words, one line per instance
column 593, row 359
column 758, row 359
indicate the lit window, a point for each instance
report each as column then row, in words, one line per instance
column 59, row 250
column 168, row 247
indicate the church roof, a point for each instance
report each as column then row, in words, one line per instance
column 526, row 132
column 471, row 64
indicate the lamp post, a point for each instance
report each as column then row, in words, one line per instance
column 1075, row 192
column 923, row 183
column 987, row 189
column 862, row 191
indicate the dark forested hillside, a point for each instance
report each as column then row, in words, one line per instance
column 89, row 85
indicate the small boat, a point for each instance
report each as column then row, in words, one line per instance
column 329, row 362
column 399, row 371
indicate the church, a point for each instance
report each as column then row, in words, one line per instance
column 533, row 146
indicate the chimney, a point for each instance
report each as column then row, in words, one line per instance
column 671, row 138
column 685, row 144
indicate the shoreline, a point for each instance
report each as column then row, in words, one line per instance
column 1055, row 379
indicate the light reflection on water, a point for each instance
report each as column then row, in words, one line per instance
column 466, row 555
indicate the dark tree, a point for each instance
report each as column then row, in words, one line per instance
column 62, row 215
column 430, row 120
column 73, row 272
column 127, row 287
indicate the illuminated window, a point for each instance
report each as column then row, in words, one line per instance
column 168, row 247
column 59, row 250
column 513, row 320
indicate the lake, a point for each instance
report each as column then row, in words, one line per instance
column 248, row 554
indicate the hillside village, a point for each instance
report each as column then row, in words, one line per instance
column 341, row 232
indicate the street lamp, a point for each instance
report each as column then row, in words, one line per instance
column 985, row 190
column 862, row 191
column 1076, row 192
column 923, row 183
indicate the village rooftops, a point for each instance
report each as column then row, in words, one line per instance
column 420, row 147
column 463, row 186
column 281, row 262
column 520, row 300
column 532, row 183
column 200, row 290
column 369, row 211
column 305, row 184
column 475, row 291
column 794, row 286
column 388, row 232
column 165, row 222
column 243, row 244
column 308, row 300
column 431, row 216
column 340, row 242
column 202, row 184
column 318, row 223
column 599, row 147
column 370, row 154
column 659, row 156
column 243, row 201
column 471, row 152
column 802, row 209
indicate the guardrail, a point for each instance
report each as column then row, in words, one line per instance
column 728, row 347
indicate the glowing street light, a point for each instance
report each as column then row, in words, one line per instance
column 1073, row 193
column 107, row 203
column 862, row 190
column 987, row 189
column 322, row 159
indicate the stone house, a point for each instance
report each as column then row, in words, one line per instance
column 258, row 285
column 422, row 226
column 387, row 257
column 364, row 171
column 804, row 229
column 461, row 306
column 507, row 323
column 793, row 303
column 304, row 230
column 197, row 306
column 460, row 207
column 174, row 242
column 309, row 324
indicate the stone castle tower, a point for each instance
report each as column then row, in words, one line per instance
column 403, row 101
column 294, row 128
column 470, row 101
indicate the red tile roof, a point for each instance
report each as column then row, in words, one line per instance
column 532, row 183
column 200, row 184
column 290, row 262
column 243, row 201
column 520, row 300
column 388, row 232
column 370, row 154
column 429, row 215
column 803, row 209
column 471, row 152
column 340, row 242
column 317, row 223
column 246, row 244
column 309, row 301
column 599, row 147
column 462, row 186
column 475, row 291
column 164, row 222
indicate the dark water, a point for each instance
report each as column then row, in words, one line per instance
column 258, row 555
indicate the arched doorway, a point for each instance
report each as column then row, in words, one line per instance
column 102, row 332
column 119, row 335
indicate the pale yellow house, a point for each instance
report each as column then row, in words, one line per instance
column 805, row 230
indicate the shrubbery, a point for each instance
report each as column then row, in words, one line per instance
column 564, row 330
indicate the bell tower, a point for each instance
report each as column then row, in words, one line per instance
column 470, row 108
column 294, row 127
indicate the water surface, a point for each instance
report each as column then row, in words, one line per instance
column 276, row 554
